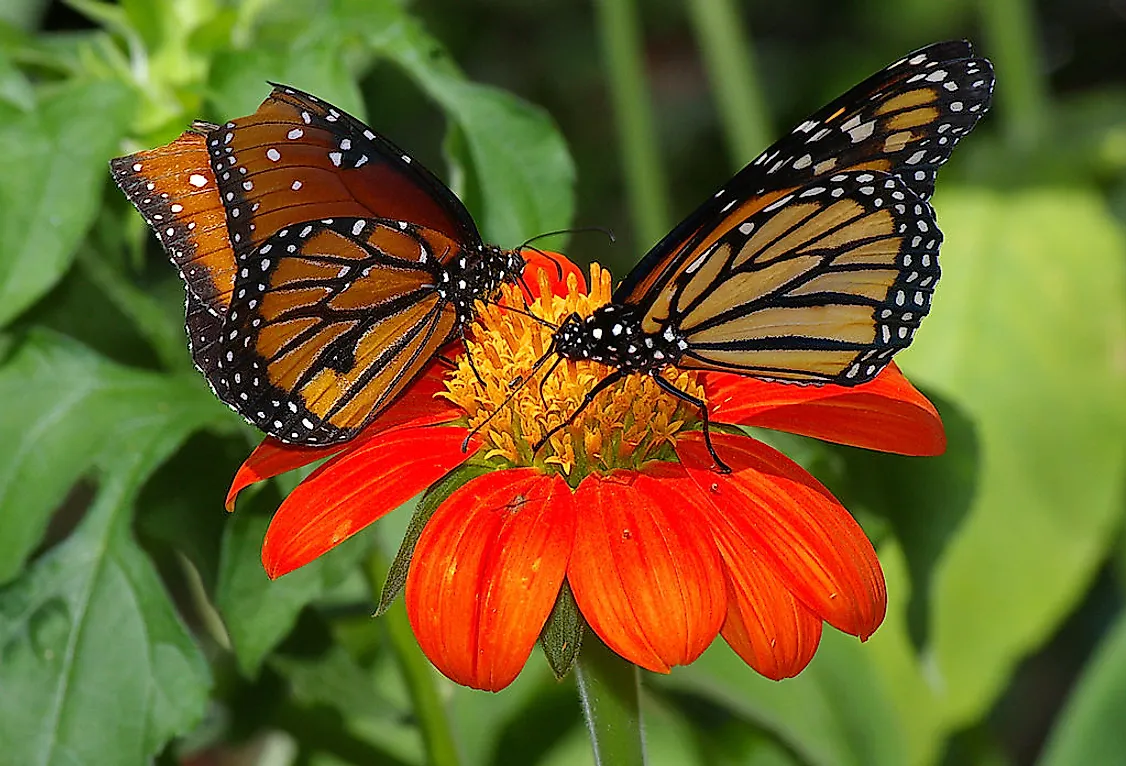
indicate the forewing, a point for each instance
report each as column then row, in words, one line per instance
column 330, row 321
column 174, row 189
column 299, row 159
column 205, row 330
column 824, row 285
column 904, row 120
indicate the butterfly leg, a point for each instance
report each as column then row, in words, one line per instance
column 514, row 385
column 469, row 358
column 601, row 386
column 547, row 375
column 700, row 405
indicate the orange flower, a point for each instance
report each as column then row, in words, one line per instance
column 660, row 552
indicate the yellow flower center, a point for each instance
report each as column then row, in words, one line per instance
column 626, row 425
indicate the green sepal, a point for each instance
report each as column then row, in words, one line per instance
column 562, row 635
column 434, row 497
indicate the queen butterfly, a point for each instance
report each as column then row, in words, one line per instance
column 324, row 267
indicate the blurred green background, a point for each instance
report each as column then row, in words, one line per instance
column 135, row 620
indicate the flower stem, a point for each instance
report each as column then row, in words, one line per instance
column 610, row 689
column 437, row 735
column 1011, row 28
column 637, row 135
column 731, row 68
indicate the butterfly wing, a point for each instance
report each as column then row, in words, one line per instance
column 330, row 320
column 173, row 188
column 904, row 120
column 298, row 158
column 822, row 286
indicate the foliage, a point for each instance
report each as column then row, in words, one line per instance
column 135, row 620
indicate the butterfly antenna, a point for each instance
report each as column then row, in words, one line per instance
column 553, row 259
column 576, row 230
column 516, row 385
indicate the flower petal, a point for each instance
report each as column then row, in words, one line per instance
column 357, row 487
column 645, row 571
column 486, row 573
column 771, row 630
column 793, row 525
column 555, row 268
column 887, row 414
column 415, row 407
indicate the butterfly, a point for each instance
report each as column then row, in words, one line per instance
column 816, row 263
column 324, row 268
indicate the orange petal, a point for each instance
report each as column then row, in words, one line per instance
column 357, row 487
column 887, row 414
column 645, row 571
column 415, row 407
column 771, row 630
column 771, row 510
column 555, row 267
column 486, row 573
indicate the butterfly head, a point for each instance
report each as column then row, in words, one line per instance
column 507, row 264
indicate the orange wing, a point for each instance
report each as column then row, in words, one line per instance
column 823, row 286
column 173, row 188
column 330, row 321
column 904, row 120
column 298, row 158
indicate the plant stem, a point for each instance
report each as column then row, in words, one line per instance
column 637, row 135
column 1022, row 95
column 731, row 69
column 437, row 735
column 610, row 689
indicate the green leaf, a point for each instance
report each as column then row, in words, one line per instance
column 155, row 319
column 1089, row 730
column 95, row 664
column 259, row 612
column 836, row 713
column 52, row 173
column 23, row 13
column 75, row 410
column 186, row 518
column 338, row 705
column 1026, row 337
column 15, row 88
column 562, row 635
column 517, row 154
column 925, row 499
column 308, row 58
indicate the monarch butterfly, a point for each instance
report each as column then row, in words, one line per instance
column 816, row 263
column 324, row 268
